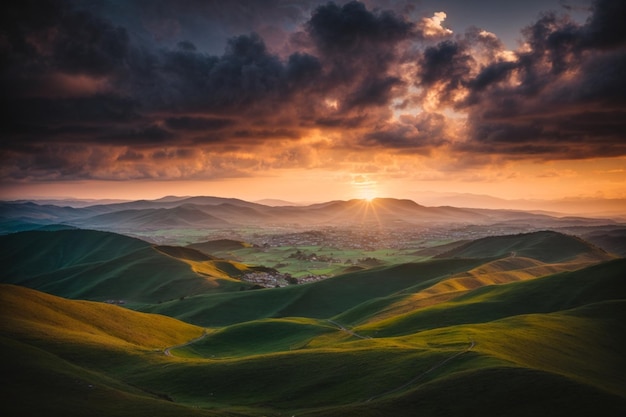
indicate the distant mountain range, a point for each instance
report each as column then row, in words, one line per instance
column 578, row 206
column 225, row 213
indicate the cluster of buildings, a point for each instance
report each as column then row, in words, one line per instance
column 277, row 279
column 269, row 279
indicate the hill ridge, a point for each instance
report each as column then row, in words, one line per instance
column 545, row 246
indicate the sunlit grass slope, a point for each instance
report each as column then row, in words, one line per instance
column 213, row 268
column 500, row 271
column 605, row 281
column 33, row 314
column 58, row 356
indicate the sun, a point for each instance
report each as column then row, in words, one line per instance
column 368, row 195
column 365, row 188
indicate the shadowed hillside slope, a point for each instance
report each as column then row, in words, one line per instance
column 37, row 252
column 185, row 216
column 95, row 265
column 613, row 241
column 546, row 246
column 219, row 245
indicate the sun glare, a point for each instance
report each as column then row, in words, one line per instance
column 368, row 195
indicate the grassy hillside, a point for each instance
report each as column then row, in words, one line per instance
column 54, row 356
column 500, row 271
column 613, row 241
column 153, row 219
column 546, row 246
column 364, row 295
column 322, row 299
column 185, row 253
column 33, row 314
column 550, row 344
column 220, row 245
column 562, row 291
column 86, row 264
column 519, row 332
column 258, row 337
column 39, row 383
column 37, row 252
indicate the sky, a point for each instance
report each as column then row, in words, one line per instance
column 307, row 100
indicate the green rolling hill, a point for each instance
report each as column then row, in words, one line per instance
column 219, row 245
column 546, row 246
column 510, row 325
column 57, row 355
column 562, row 352
column 322, row 299
column 86, row 264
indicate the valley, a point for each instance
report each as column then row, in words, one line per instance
column 343, row 308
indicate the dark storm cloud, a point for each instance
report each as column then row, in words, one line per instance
column 142, row 76
column 447, row 65
column 198, row 123
column 372, row 92
column 605, row 28
column 130, row 155
column 420, row 133
column 53, row 110
column 209, row 23
column 492, row 74
column 179, row 153
column 548, row 102
column 342, row 30
column 246, row 74
column 89, row 45
column 44, row 36
column 149, row 135
column 358, row 49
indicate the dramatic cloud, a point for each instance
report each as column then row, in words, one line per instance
column 197, row 89
column 431, row 27
column 564, row 97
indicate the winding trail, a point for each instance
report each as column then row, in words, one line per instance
column 418, row 377
column 167, row 352
column 344, row 329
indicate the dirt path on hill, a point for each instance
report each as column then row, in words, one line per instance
column 420, row 376
column 167, row 352
column 343, row 329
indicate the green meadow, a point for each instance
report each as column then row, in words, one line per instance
column 481, row 332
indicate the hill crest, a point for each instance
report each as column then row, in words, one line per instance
column 545, row 246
